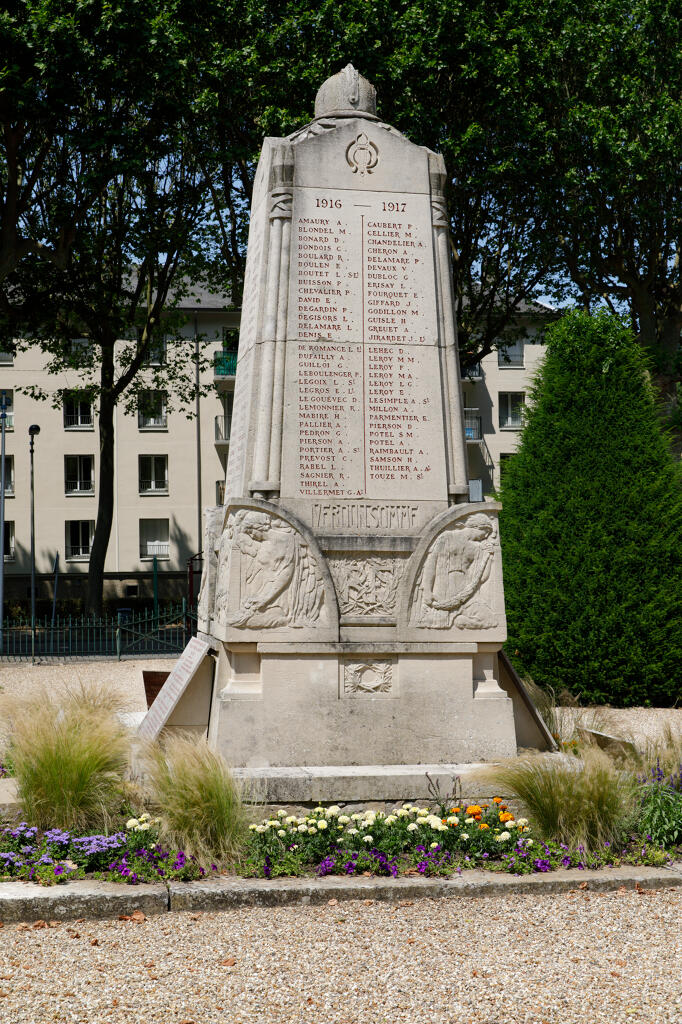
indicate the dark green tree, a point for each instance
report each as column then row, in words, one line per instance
column 591, row 524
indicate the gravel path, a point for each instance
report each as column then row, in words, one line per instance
column 579, row 958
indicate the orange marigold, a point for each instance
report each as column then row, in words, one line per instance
column 473, row 809
column 484, row 826
column 455, row 810
column 506, row 816
column 497, row 799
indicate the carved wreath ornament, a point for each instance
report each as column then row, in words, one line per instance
column 368, row 677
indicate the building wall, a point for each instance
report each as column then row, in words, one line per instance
column 126, row 565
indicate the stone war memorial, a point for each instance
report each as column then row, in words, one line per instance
column 351, row 606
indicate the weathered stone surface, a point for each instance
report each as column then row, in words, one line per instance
column 25, row 901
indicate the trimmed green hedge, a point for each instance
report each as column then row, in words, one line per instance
column 591, row 526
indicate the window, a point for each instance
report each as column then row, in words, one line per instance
column 511, row 356
column 154, row 538
column 80, row 352
column 151, row 411
column 153, row 474
column 156, row 353
column 9, row 541
column 9, row 475
column 511, row 409
column 78, row 412
column 79, row 534
column 7, row 357
column 79, row 474
column 9, row 408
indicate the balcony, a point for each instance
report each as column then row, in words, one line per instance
column 473, row 372
column 78, row 421
column 154, row 549
column 153, row 486
column 79, row 487
column 9, row 419
column 9, row 553
column 222, row 433
column 77, row 552
column 6, row 358
column 473, row 429
column 9, row 487
column 224, row 369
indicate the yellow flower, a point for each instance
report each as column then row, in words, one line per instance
column 484, row 826
column 473, row 809
column 506, row 816
column 497, row 799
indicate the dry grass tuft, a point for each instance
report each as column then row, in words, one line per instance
column 70, row 758
column 198, row 799
column 572, row 801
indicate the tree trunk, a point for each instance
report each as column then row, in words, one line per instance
column 105, row 505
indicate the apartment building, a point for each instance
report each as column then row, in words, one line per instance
column 169, row 467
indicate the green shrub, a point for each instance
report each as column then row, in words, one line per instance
column 591, row 524
column 198, row 799
column 69, row 761
column 578, row 802
column 662, row 815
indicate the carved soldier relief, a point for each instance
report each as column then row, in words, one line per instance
column 451, row 588
column 279, row 582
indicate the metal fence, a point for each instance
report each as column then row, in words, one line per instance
column 126, row 634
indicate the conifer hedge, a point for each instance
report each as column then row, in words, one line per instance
column 591, row 525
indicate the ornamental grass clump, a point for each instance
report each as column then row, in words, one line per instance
column 70, row 759
column 199, row 801
column 579, row 802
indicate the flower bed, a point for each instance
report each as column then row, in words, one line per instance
column 131, row 855
column 413, row 840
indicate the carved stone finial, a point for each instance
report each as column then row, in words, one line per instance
column 346, row 93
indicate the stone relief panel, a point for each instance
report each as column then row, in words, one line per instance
column 267, row 575
column 213, row 521
column 366, row 585
column 451, row 588
column 368, row 678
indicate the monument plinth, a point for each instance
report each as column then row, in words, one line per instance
column 353, row 593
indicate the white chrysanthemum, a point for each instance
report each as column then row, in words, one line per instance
column 352, row 832
column 502, row 838
column 403, row 813
column 412, row 827
column 391, row 819
column 312, row 831
column 252, row 828
column 332, row 811
column 133, row 823
column 369, row 815
column 433, row 846
column 469, row 821
column 273, row 823
column 464, row 835
column 529, row 842
column 407, row 807
column 422, row 811
column 322, row 825
column 452, row 820
column 368, row 839
column 356, row 817
column 145, row 816
column 318, row 810
column 343, row 819
column 290, row 819
column 261, row 828
column 281, row 813
column 522, row 821
column 301, row 828
column 311, row 821
column 281, row 833
column 142, row 827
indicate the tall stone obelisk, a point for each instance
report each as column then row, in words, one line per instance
column 352, row 591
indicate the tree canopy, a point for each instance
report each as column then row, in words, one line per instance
column 591, row 524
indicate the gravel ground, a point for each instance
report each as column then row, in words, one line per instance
column 578, row 958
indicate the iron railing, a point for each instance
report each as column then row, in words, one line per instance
column 224, row 364
column 154, row 548
column 82, row 486
column 126, row 633
column 152, row 422
column 78, row 550
column 473, row 428
column 75, row 419
column 513, row 358
column 155, row 486
column 9, row 553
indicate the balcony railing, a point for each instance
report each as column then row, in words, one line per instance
column 80, row 487
column 9, row 420
column 154, row 548
column 510, row 359
column 222, row 428
column 153, row 486
column 74, row 419
column 6, row 358
column 157, row 422
column 224, row 364
column 472, row 372
column 9, row 553
column 81, row 551
column 473, row 430
column 9, row 486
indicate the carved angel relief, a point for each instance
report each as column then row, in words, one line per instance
column 366, row 586
column 450, row 589
column 279, row 582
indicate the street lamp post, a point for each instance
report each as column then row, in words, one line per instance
column 3, row 418
column 33, row 431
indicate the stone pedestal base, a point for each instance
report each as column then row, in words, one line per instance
column 346, row 705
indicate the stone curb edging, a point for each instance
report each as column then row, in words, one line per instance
column 24, row 901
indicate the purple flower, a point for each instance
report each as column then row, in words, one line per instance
column 59, row 869
column 542, row 864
